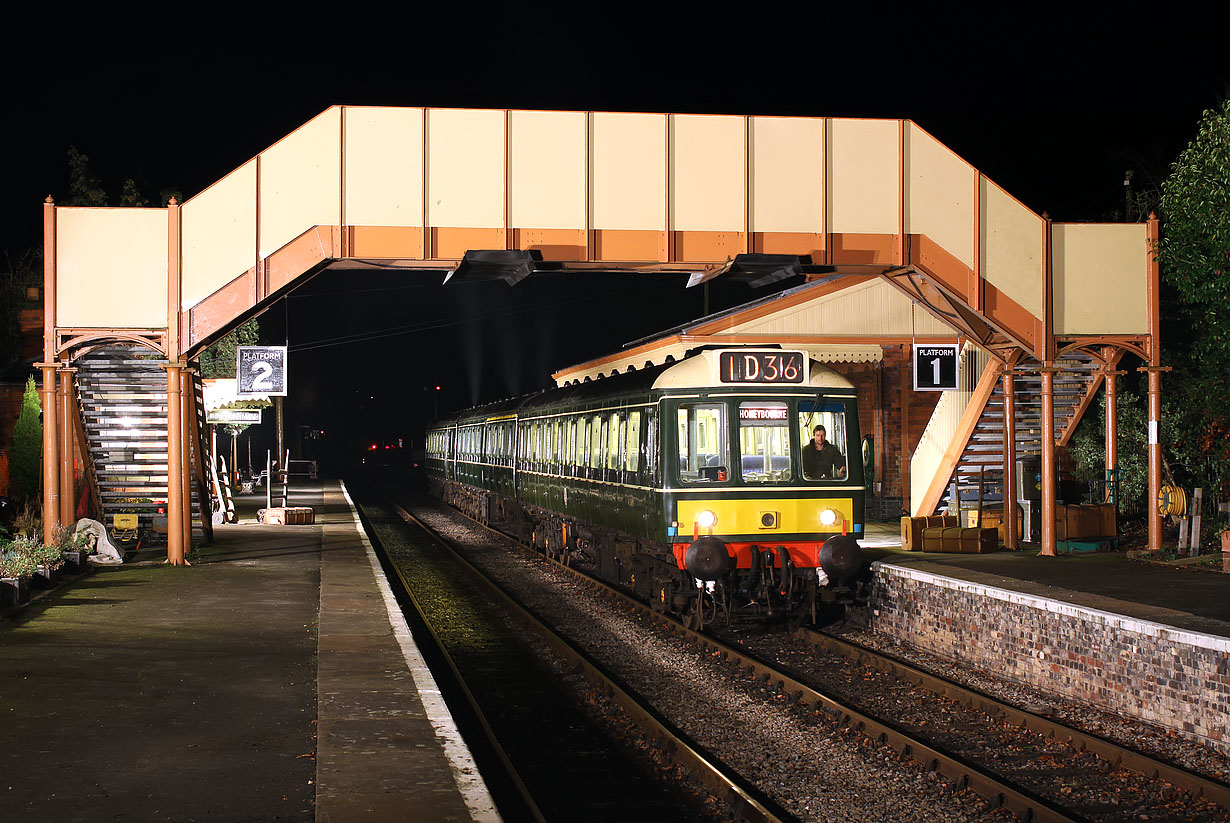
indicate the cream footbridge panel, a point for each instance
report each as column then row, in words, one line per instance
column 219, row 234
column 300, row 181
column 111, row 267
column 546, row 169
column 708, row 159
column 465, row 168
column 628, row 169
column 383, row 166
column 941, row 192
column 787, row 179
column 1101, row 276
column 864, row 176
column 1011, row 244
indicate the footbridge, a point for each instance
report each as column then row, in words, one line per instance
column 504, row 193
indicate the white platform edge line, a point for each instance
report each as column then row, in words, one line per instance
column 1120, row 621
column 469, row 781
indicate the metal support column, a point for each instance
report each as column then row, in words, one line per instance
column 1049, row 545
column 1112, row 431
column 187, row 409
column 51, row 455
column 1155, row 386
column 1010, row 490
column 1155, row 457
column 68, row 508
column 175, row 468
column 51, row 461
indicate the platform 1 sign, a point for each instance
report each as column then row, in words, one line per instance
column 260, row 371
column 935, row 366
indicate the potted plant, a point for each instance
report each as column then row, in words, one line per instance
column 16, row 568
column 74, row 547
column 29, row 541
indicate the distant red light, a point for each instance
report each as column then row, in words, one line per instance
column 437, row 388
column 373, row 447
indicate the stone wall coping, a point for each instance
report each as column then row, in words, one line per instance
column 1146, row 628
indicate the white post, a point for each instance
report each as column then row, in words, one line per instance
column 1197, row 501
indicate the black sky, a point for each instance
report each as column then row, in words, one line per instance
column 1051, row 103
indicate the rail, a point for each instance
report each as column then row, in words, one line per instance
column 702, row 768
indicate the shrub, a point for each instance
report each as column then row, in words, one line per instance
column 25, row 460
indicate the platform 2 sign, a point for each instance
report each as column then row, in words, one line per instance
column 935, row 366
column 260, row 371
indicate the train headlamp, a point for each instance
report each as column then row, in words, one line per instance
column 706, row 519
column 828, row 517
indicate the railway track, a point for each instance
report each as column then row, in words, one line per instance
column 1034, row 767
column 1119, row 756
column 553, row 761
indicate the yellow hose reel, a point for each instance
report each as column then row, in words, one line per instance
column 1171, row 501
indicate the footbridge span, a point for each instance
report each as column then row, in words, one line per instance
column 508, row 192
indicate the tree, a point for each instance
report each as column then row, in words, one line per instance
column 25, row 463
column 219, row 359
column 1194, row 251
column 1194, row 254
column 130, row 195
column 84, row 187
column 19, row 272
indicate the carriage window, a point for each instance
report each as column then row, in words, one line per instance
column 632, row 463
column 824, row 457
column 614, row 430
column 764, row 442
column 703, row 450
column 595, row 442
column 582, row 442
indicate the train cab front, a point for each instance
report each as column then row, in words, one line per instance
column 775, row 482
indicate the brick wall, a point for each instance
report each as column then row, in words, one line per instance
column 1169, row 677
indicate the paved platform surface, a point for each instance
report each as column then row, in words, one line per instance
column 1108, row 581
column 264, row 683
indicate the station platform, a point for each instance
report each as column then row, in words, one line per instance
column 266, row 682
column 1196, row 601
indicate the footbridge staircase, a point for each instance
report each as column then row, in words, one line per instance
column 966, row 439
column 122, row 400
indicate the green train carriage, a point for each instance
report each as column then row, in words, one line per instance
column 683, row 482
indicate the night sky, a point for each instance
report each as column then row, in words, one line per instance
column 1053, row 108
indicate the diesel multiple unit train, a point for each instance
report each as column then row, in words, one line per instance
column 716, row 485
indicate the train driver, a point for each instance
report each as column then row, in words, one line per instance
column 821, row 459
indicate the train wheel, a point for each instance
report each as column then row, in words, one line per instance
column 692, row 619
